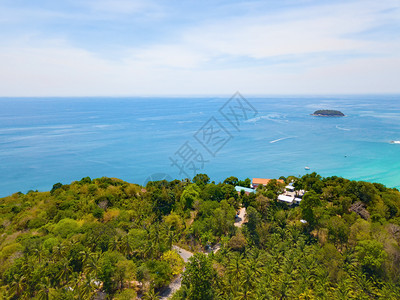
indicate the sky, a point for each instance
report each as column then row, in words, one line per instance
column 210, row 47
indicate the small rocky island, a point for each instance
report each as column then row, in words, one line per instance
column 328, row 113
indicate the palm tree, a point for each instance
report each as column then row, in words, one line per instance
column 17, row 286
column 86, row 289
column 248, row 283
column 155, row 240
column 38, row 253
column 85, row 254
column 149, row 249
column 126, row 246
column 253, row 268
column 3, row 292
column 344, row 290
column 59, row 252
column 151, row 294
column 284, row 283
column 44, row 289
column 171, row 236
column 365, row 284
column 92, row 266
column 390, row 291
column 234, row 271
column 65, row 271
column 114, row 243
column 322, row 281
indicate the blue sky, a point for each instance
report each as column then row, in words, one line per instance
column 146, row 47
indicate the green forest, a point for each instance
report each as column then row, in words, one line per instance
column 109, row 239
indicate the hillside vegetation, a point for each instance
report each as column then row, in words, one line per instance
column 109, row 238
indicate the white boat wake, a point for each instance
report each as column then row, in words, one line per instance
column 341, row 128
column 281, row 139
column 270, row 117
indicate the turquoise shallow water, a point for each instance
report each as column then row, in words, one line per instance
column 44, row 141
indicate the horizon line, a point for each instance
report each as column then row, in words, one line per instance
column 203, row 95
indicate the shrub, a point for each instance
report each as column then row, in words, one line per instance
column 66, row 227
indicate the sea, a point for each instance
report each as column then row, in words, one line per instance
column 44, row 141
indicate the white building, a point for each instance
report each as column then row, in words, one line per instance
column 286, row 199
column 289, row 188
column 297, row 200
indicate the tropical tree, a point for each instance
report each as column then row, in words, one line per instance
column 308, row 205
column 199, row 277
column 17, row 286
column 44, row 288
column 201, row 179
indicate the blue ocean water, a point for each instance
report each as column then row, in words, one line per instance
column 49, row 140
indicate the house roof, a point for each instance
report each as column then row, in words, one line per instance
column 247, row 190
column 285, row 198
column 264, row 181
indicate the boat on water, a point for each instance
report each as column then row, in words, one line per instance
column 307, row 168
column 395, row 142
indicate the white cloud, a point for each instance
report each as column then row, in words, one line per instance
column 308, row 30
column 74, row 72
column 173, row 56
column 367, row 75
column 78, row 10
column 211, row 58
column 122, row 7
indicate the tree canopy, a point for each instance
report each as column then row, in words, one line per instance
column 109, row 237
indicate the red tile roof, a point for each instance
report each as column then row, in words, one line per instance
column 264, row 181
